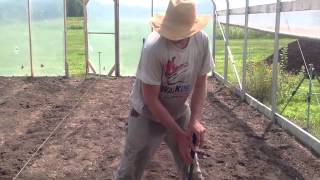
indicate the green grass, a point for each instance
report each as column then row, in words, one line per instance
column 47, row 48
column 260, row 47
column 75, row 47
column 297, row 108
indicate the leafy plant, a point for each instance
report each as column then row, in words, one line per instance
column 287, row 82
column 259, row 80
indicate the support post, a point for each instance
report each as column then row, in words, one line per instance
column 214, row 25
column 312, row 72
column 308, row 105
column 99, row 54
column 245, row 53
column 117, row 39
column 226, row 43
column 30, row 38
column 65, row 39
column 275, row 63
column 85, row 27
column 152, row 4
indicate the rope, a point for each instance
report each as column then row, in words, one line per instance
column 54, row 130
column 230, row 53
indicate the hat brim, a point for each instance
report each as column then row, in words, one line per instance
column 171, row 32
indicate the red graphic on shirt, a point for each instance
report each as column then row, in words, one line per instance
column 173, row 72
column 170, row 67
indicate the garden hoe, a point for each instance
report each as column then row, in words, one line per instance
column 194, row 156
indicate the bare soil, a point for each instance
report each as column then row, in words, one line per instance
column 311, row 54
column 295, row 60
column 94, row 113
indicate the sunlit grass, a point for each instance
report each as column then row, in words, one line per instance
column 76, row 47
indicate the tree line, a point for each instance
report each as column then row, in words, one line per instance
column 74, row 8
column 17, row 10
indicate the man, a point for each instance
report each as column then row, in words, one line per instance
column 174, row 65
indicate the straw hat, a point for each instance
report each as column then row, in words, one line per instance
column 180, row 20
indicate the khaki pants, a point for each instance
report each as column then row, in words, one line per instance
column 143, row 138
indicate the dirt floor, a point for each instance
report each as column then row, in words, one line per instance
column 295, row 62
column 311, row 53
column 94, row 114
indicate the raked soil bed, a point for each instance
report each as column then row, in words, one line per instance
column 93, row 116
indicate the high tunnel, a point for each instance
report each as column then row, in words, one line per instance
column 263, row 122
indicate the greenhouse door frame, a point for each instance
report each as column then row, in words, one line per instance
column 116, row 67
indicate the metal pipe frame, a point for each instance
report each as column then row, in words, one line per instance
column 226, row 44
column 245, row 52
column 85, row 27
column 275, row 63
column 29, row 10
column 116, row 36
column 214, row 28
column 271, row 32
column 306, row 138
column 287, row 6
column 303, row 136
column 234, row 68
column 152, row 4
column 101, row 33
column 30, row 38
column 65, row 39
column 117, row 39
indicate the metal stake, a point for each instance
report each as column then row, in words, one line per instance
column 99, row 63
column 309, row 95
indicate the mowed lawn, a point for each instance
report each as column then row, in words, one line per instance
column 76, row 46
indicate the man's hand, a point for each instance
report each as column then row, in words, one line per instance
column 197, row 99
column 198, row 129
column 184, row 143
column 183, row 138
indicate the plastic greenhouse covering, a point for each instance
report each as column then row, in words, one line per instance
column 41, row 45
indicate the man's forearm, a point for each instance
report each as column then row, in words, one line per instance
column 198, row 96
column 150, row 96
column 163, row 116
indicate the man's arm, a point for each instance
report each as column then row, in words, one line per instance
column 151, row 99
column 197, row 99
column 150, row 96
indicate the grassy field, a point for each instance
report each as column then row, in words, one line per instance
column 76, row 47
column 47, row 48
column 260, row 47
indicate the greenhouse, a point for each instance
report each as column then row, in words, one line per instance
column 66, row 81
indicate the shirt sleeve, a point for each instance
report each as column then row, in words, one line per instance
column 149, row 70
column 207, row 61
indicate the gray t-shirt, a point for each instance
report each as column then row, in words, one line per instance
column 175, row 70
